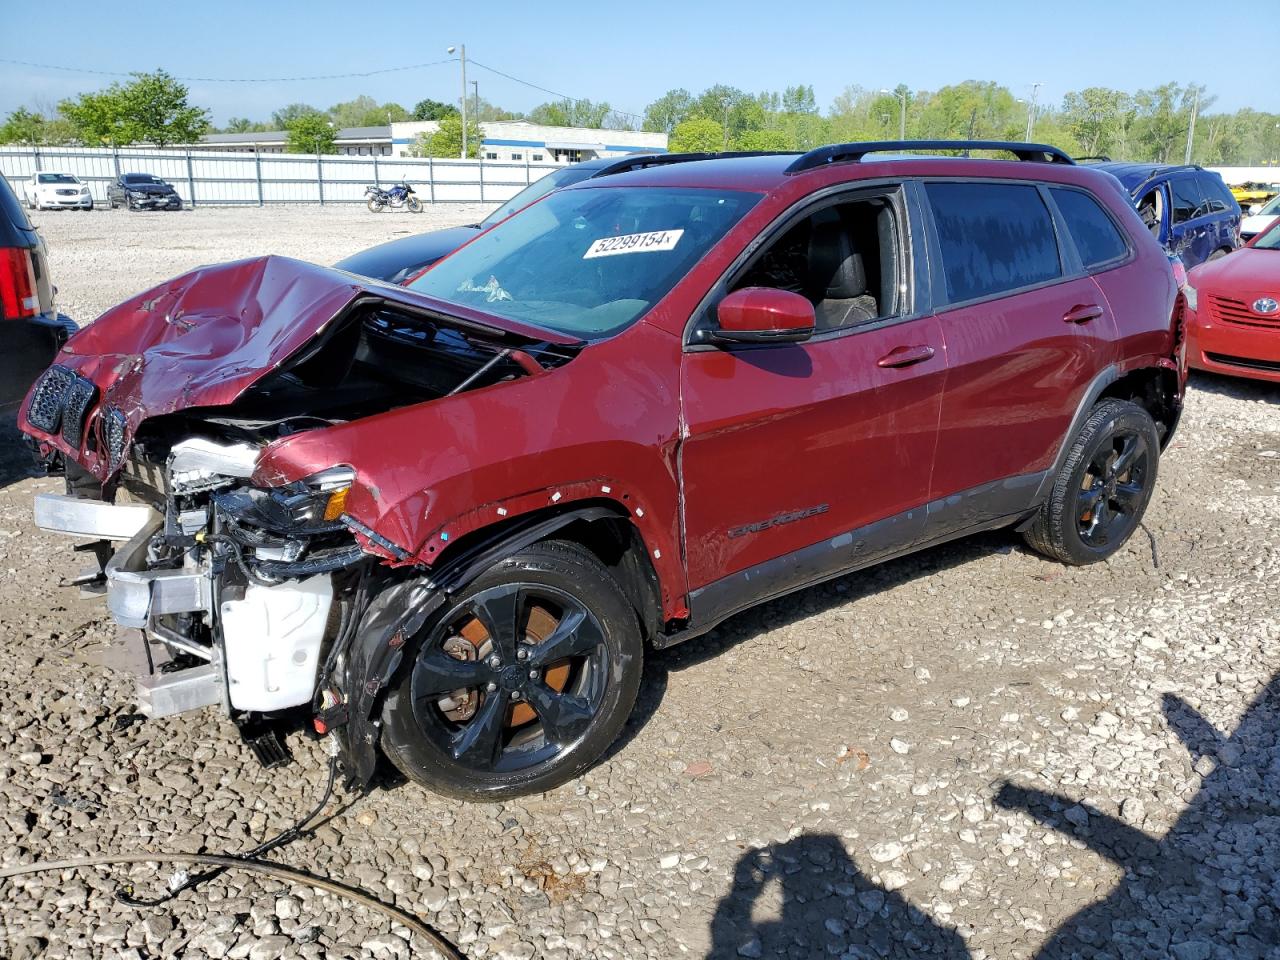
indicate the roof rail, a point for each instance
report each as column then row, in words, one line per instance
column 641, row 161
column 853, row 152
column 1161, row 169
column 1096, row 158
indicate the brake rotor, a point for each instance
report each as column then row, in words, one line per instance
column 471, row 642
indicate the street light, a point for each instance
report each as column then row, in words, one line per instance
column 902, row 116
column 1031, row 109
column 462, row 49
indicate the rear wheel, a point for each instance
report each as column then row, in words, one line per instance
column 373, row 205
column 1102, row 490
column 522, row 683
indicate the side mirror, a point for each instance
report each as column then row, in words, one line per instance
column 763, row 315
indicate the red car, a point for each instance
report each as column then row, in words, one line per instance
column 449, row 519
column 1233, row 311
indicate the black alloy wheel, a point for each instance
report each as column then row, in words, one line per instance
column 1102, row 488
column 521, row 683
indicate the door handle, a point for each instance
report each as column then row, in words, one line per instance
column 1083, row 314
column 905, row 356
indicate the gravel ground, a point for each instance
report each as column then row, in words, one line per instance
column 973, row 752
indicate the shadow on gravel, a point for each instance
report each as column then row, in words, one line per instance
column 824, row 907
column 1237, row 388
column 16, row 462
column 1208, row 888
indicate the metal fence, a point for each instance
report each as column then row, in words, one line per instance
column 229, row 178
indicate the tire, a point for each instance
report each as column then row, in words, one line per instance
column 373, row 205
column 591, row 692
column 414, row 204
column 1094, row 507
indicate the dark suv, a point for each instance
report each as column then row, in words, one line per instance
column 1190, row 210
column 449, row 518
column 32, row 329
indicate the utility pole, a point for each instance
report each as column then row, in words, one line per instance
column 1191, row 127
column 1031, row 110
column 462, row 51
column 902, row 111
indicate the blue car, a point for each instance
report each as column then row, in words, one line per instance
column 1188, row 209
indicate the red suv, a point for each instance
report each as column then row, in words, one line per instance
column 449, row 519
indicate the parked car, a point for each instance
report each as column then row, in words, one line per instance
column 448, row 518
column 1187, row 208
column 1233, row 311
column 53, row 190
column 142, row 191
column 397, row 260
column 1247, row 194
column 32, row 329
column 1260, row 217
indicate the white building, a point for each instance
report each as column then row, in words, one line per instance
column 520, row 141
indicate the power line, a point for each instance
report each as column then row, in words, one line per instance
column 325, row 76
column 554, row 93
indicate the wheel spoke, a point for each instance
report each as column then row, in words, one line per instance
column 1098, row 534
column 501, row 610
column 1089, row 498
column 562, row 715
column 479, row 741
column 1130, row 448
column 437, row 673
column 1127, row 496
column 575, row 635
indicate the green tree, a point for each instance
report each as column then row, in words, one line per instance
column 432, row 110
column 364, row 111
column 22, row 126
column 763, row 140
column 311, row 133
column 697, row 135
column 446, row 142
column 156, row 104
column 1098, row 118
column 668, row 111
column 100, row 118
column 571, row 113
column 244, row 125
column 799, row 100
column 280, row 119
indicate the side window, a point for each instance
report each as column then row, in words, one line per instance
column 1187, row 201
column 1097, row 238
column 995, row 237
column 1217, row 196
column 846, row 259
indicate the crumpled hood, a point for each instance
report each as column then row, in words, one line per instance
column 202, row 339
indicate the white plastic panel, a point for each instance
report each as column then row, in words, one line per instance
column 272, row 640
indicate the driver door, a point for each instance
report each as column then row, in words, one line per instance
column 801, row 460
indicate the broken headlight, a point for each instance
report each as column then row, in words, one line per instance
column 317, row 499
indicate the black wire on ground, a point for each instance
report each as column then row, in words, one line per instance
column 275, row 871
column 1155, row 555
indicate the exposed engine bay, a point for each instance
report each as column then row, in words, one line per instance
column 254, row 591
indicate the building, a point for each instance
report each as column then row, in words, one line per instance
column 512, row 141
column 518, row 141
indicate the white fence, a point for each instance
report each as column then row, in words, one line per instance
column 226, row 178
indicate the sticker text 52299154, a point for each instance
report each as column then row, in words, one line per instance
column 634, row 243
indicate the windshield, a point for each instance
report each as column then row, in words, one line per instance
column 1273, row 206
column 587, row 262
column 1269, row 240
column 57, row 178
column 536, row 191
column 139, row 178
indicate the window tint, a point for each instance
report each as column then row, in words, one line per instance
column 995, row 237
column 1187, row 201
column 1096, row 236
column 1216, row 193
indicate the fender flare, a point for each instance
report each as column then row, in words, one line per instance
column 400, row 610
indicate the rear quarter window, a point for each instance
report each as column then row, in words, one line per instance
column 994, row 238
column 1098, row 240
column 1188, row 203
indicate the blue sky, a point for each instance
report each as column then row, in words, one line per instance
column 630, row 53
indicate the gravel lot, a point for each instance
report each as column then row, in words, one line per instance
column 973, row 752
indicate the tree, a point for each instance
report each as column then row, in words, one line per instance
column 763, row 140
column 281, row 118
column 571, row 113
column 311, row 133
column 364, row 111
column 244, row 125
column 152, row 107
column 697, row 135
column 22, row 126
column 668, row 111
column 433, row 110
column 799, row 100
column 447, row 140
column 100, row 118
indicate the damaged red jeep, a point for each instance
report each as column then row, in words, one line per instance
column 449, row 519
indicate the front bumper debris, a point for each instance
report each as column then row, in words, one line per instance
column 78, row 517
column 135, row 595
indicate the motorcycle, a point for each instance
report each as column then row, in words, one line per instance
column 401, row 195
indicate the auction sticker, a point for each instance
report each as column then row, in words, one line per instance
column 634, row 243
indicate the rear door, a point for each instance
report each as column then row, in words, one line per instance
column 1224, row 213
column 1190, row 221
column 1026, row 330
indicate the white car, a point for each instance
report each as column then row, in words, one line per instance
column 56, row 191
column 1265, row 216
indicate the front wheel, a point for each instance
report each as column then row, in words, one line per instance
column 1103, row 488
column 415, row 205
column 522, row 683
column 374, row 206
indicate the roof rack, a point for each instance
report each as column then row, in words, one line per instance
column 1096, row 158
column 641, row 161
column 854, row 152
